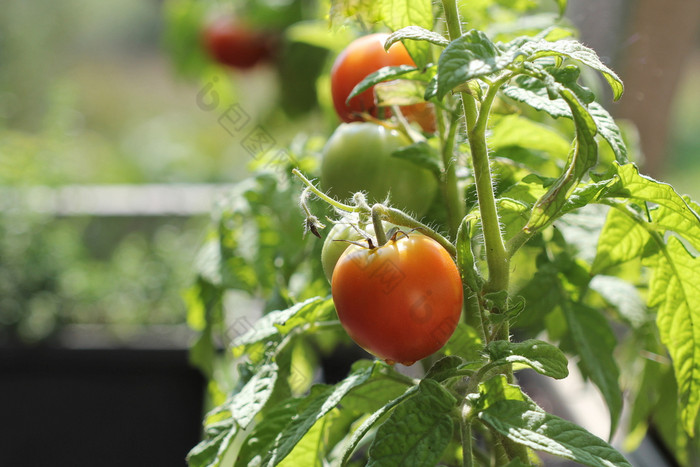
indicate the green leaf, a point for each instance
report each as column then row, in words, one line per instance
column 674, row 212
column 444, row 368
column 533, row 92
column 416, row 33
column 372, row 395
column 309, row 451
column 470, row 56
column 383, row 74
column 651, row 377
column 513, row 215
column 399, row 92
column 583, row 157
column 516, row 463
column 595, row 343
column 464, row 342
column 497, row 389
column 583, row 195
column 609, row 130
column 418, row 430
column 362, row 430
column 280, row 322
column 525, row 423
column 541, row 297
column 399, row 14
column 515, row 130
column 624, row 296
column 568, row 76
column 210, row 452
column 266, row 430
column 319, row 404
column 421, row 154
column 541, row 356
column 364, row 10
column 574, row 50
column 246, row 404
column 674, row 288
column 622, row 239
column 667, row 421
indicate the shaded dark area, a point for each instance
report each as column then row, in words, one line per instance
column 105, row 407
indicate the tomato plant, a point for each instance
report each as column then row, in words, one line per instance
column 233, row 43
column 546, row 244
column 361, row 57
column 400, row 301
column 358, row 157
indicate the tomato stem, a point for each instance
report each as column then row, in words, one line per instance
column 398, row 217
column 325, row 197
column 377, row 223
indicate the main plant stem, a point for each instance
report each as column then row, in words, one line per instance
column 497, row 258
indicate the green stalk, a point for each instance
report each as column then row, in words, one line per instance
column 398, row 217
column 323, row 196
column 467, row 454
column 377, row 223
column 497, row 258
column 453, row 197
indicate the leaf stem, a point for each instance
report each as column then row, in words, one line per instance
column 323, row 196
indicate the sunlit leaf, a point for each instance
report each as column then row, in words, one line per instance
column 541, row 356
column 527, row 424
column 470, row 56
column 418, row 430
column 675, row 291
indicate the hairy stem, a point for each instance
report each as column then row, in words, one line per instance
column 377, row 223
column 398, row 217
column 497, row 258
column 467, row 455
column 453, row 197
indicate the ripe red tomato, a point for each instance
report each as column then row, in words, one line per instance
column 401, row 301
column 232, row 43
column 360, row 58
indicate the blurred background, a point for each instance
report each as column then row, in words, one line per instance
column 90, row 96
column 115, row 144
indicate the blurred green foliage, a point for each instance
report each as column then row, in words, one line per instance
column 107, row 271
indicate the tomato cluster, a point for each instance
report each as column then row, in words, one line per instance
column 401, row 301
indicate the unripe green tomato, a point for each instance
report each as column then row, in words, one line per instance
column 357, row 157
column 333, row 246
